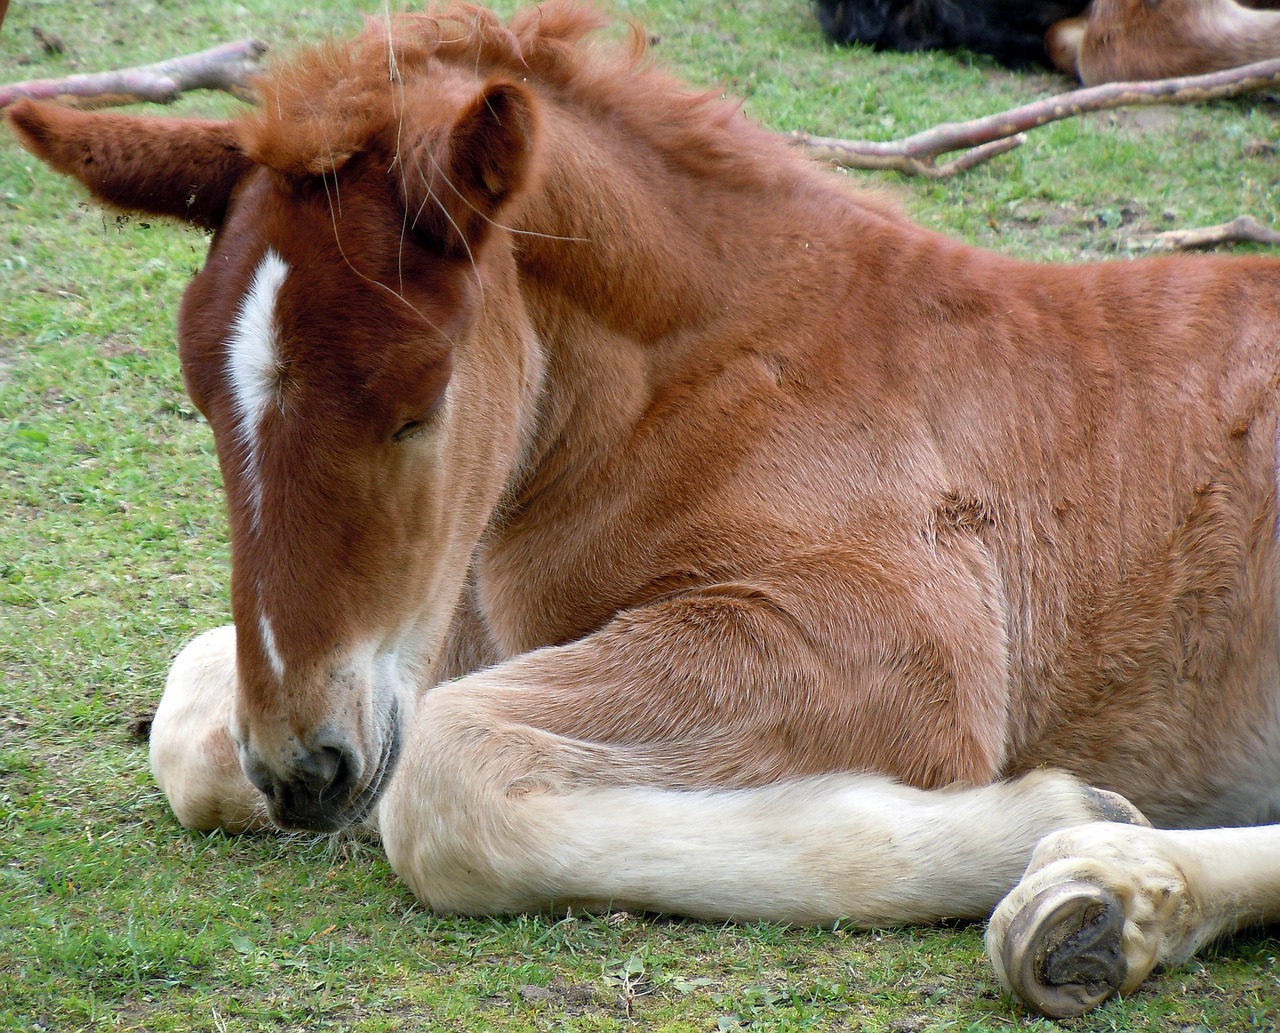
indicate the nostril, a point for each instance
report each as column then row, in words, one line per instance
column 342, row 777
column 328, row 772
column 317, row 769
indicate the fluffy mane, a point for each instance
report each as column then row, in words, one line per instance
column 341, row 98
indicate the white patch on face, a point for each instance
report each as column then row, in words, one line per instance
column 270, row 648
column 253, row 357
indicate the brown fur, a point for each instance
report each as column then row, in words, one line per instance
column 1125, row 40
column 728, row 466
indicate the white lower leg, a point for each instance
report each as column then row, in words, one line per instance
column 476, row 821
column 1235, row 873
column 858, row 848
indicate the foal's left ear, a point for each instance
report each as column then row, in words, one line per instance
column 454, row 185
column 182, row 168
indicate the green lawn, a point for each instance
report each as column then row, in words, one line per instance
column 113, row 554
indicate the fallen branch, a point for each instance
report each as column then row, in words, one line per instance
column 984, row 138
column 1241, row 228
column 227, row 67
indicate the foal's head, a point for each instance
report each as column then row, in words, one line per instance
column 355, row 341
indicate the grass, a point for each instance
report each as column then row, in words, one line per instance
column 113, row 553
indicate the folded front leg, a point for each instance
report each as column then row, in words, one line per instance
column 701, row 757
column 192, row 756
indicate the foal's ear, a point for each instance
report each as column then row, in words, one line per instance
column 454, row 185
column 183, row 168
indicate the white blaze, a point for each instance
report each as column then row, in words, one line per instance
column 269, row 646
column 253, row 363
column 253, row 359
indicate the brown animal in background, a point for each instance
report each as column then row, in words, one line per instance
column 1110, row 40
column 626, row 512
column 1127, row 40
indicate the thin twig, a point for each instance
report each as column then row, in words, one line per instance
column 228, row 67
column 918, row 154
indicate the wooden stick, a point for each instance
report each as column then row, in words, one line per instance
column 1241, row 228
column 918, row 154
column 4, row 6
column 227, row 67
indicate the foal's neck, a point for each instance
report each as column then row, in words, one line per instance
column 655, row 246
column 643, row 268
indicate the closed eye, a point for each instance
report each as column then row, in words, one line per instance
column 425, row 417
column 410, row 429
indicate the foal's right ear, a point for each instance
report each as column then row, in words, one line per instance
column 181, row 168
column 455, row 182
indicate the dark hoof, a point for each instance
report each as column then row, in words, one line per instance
column 1114, row 807
column 1063, row 951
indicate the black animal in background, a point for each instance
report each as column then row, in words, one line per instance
column 1011, row 31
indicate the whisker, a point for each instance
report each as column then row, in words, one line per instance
column 431, row 196
column 396, row 80
column 514, row 230
column 337, row 189
column 534, row 233
column 404, row 189
column 369, row 279
column 518, row 232
column 393, row 66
